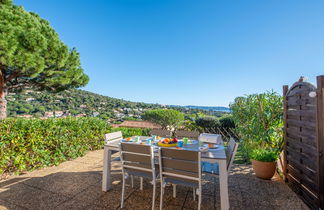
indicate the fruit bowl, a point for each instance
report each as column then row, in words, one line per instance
column 166, row 145
column 168, row 142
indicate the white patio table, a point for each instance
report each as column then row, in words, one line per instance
column 213, row 156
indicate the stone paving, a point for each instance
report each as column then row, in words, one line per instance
column 77, row 185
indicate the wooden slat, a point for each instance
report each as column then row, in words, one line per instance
column 298, row 132
column 302, row 179
column 301, row 160
column 308, row 151
column 300, row 167
column 301, row 107
column 308, row 197
column 299, row 147
column 301, row 157
column 303, row 170
column 305, row 113
column 180, row 165
column 300, row 123
column 181, row 172
column 180, row 154
column 320, row 136
column 139, row 165
column 137, row 158
column 136, row 148
column 300, row 101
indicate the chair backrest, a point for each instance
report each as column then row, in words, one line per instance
column 113, row 136
column 211, row 138
column 181, row 164
column 160, row 132
column 137, row 157
column 230, row 153
column 189, row 134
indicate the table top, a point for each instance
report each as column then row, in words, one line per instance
column 217, row 153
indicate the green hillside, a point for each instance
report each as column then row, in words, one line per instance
column 72, row 102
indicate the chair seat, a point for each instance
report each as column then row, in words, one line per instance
column 183, row 182
column 210, row 168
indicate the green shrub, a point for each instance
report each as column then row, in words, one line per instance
column 27, row 144
column 258, row 121
column 227, row 121
column 128, row 132
column 208, row 123
column 265, row 155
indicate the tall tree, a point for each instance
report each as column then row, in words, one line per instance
column 167, row 118
column 32, row 55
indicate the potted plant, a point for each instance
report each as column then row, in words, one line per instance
column 264, row 162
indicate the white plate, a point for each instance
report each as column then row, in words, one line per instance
column 203, row 149
column 124, row 140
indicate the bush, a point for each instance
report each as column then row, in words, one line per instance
column 265, row 155
column 258, row 121
column 208, row 123
column 128, row 132
column 27, row 144
column 227, row 121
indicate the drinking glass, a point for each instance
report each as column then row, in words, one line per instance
column 185, row 140
column 180, row 143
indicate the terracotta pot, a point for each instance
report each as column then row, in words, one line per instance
column 264, row 170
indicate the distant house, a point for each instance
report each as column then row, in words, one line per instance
column 49, row 114
column 137, row 124
column 30, row 99
column 83, row 106
column 80, row 115
column 58, row 113
column 25, row 116
column 29, row 91
column 95, row 114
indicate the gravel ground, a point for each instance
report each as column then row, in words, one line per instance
column 77, row 185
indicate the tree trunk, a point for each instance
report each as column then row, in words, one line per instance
column 3, row 93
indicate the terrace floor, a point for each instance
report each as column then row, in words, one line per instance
column 77, row 185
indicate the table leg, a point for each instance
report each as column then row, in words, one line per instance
column 106, row 175
column 223, row 181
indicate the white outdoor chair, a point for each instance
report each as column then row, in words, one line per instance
column 138, row 160
column 213, row 168
column 160, row 132
column 113, row 136
column 180, row 167
column 189, row 134
column 211, row 138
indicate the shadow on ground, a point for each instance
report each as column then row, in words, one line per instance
column 77, row 185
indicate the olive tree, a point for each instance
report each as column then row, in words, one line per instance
column 32, row 55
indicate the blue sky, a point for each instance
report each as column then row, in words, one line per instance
column 183, row 52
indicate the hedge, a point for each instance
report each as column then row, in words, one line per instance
column 128, row 132
column 27, row 144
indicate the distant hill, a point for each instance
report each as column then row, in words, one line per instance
column 206, row 108
column 74, row 102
